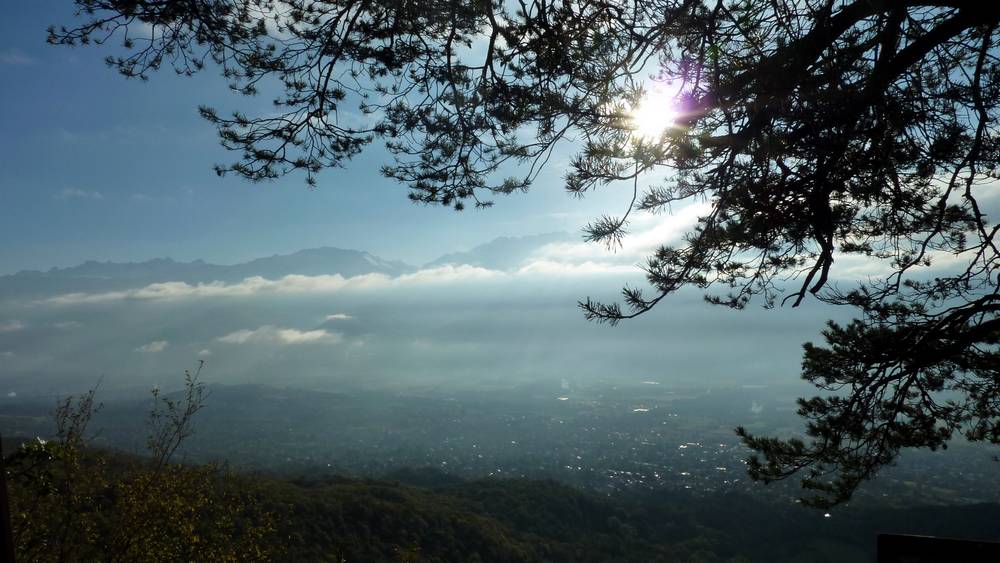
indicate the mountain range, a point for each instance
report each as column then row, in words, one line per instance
column 502, row 254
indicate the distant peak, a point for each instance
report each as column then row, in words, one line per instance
column 309, row 261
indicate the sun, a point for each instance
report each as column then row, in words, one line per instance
column 655, row 113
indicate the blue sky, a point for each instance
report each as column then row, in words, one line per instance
column 94, row 166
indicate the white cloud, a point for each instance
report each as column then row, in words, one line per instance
column 76, row 193
column 444, row 346
column 277, row 335
column 153, row 347
column 328, row 284
column 339, row 317
column 291, row 284
column 550, row 268
column 448, row 274
column 15, row 57
column 147, row 198
column 12, row 325
column 646, row 232
column 855, row 267
column 7, row 354
column 204, row 353
column 66, row 325
column 12, row 394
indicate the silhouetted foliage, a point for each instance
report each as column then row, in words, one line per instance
column 816, row 130
column 71, row 502
column 116, row 507
column 524, row 520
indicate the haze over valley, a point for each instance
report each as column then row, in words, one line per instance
column 476, row 365
column 500, row 282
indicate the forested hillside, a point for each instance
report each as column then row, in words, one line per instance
column 425, row 515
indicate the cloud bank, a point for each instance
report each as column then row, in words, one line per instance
column 328, row 284
column 76, row 193
column 339, row 317
column 276, row 335
column 153, row 347
column 12, row 325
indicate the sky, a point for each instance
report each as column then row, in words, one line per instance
column 94, row 166
column 97, row 167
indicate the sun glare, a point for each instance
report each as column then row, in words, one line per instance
column 656, row 112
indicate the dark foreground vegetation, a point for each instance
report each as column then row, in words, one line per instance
column 74, row 501
column 816, row 132
column 119, row 507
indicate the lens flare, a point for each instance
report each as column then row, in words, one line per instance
column 656, row 112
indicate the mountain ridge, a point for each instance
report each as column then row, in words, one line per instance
column 92, row 275
column 502, row 253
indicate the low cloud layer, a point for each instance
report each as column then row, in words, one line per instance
column 646, row 232
column 12, row 325
column 276, row 335
column 328, row 284
column 76, row 193
column 15, row 57
column 153, row 347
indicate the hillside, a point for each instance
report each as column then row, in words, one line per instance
column 529, row 520
column 425, row 515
